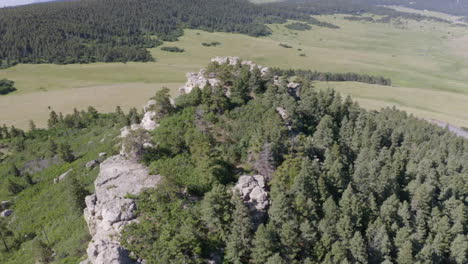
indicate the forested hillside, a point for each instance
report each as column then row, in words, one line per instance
column 87, row 31
column 344, row 185
column 121, row 30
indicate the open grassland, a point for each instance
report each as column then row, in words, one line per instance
column 423, row 103
column 424, row 59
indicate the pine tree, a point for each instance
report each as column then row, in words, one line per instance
column 265, row 244
column 458, row 249
column 53, row 119
column 405, row 253
column 163, row 104
column 65, row 152
column 77, row 194
column 239, row 241
column 358, row 248
column 216, row 210
column 324, row 136
column 305, row 190
column 240, row 87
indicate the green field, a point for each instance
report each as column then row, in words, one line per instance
column 427, row 62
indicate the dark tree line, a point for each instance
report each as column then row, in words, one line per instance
column 122, row 30
column 334, row 77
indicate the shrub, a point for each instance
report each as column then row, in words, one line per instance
column 6, row 86
column 299, row 26
column 172, row 49
column 211, row 44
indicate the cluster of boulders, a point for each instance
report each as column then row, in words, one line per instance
column 202, row 78
column 254, row 193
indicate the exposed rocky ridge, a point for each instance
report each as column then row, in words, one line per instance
column 108, row 211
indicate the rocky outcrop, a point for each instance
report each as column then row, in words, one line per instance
column 6, row 213
column 197, row 80
column 148, row 122
column 253, row 190
column 149, row 105
column 202, row 78
column 109, row 210
column 236, row 60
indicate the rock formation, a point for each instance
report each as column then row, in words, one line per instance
column 253, row 190
column 6, row 213
column 108, row 211
column 197, row 80
column 202, row 78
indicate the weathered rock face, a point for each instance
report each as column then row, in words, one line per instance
column 253, row 191
column 108, row 211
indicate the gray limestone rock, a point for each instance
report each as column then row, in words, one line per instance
column 109, row 210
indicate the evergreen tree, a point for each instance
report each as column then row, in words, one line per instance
column 239, row 241
column 217, row 210
column 65, row 152
column 163, row 105
column 458, row 249
column 265, row 244
column 358, row 248
column 53, row 120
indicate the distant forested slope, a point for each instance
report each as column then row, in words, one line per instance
column 121, row 30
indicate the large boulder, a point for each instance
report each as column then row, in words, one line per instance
column 6, row 213
column 148, row 122
column 109, row 210
column 254, row 193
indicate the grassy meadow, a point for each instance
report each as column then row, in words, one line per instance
column 427, row 62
